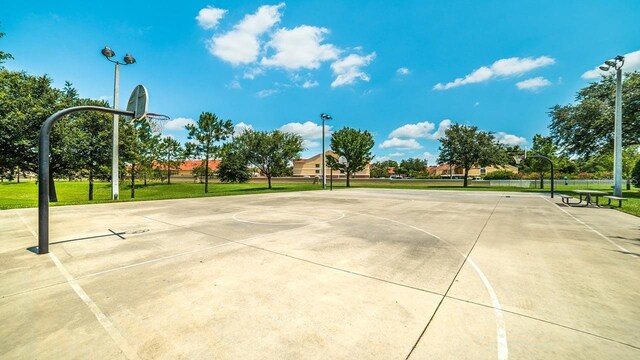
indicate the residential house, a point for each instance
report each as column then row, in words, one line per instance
column 457, row 172
column 312, row 167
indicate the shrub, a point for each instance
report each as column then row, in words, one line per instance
column 501, row 175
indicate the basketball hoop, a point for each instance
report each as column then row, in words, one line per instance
column 156, row 122
column 138, row 103
column 518, row 159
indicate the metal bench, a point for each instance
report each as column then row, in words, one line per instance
column 620, row 200
column 566, row 198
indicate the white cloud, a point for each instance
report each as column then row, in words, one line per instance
column 348, row 69
column 241, row 127
column 178, row 123
column 266, row 92
column 432, row 159
column 396, row 154
column 234, row 84
column 631, row 63
column 308, row 130
column 403, row 71
column 252, row 73
column 444, row 125
column 421, row 130
column 500, row 68
column 309, row 144
column 209, row 17
column 309, row 84
column 402, row 144
column 508, row 139
column 241, row 45
column 299, row 48
column 533, row 84
column 477, row 103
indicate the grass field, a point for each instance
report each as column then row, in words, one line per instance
column 25, row 194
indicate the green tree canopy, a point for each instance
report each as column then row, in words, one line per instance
column 585, row 128
column 4, row 56
column 412, row 167
column 355, row 146
column 233, row 167
column 466, row 146
column 270, row 152
column 208, row 131
column 171, row 155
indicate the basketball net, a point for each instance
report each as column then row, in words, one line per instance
column 156, row 121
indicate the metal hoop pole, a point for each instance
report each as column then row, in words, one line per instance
column 43, row 168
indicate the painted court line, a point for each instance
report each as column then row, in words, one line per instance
column 102, row 318
column 93, row 307
column 501, row 329
column 627, row 252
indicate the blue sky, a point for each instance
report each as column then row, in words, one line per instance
column 403, row 70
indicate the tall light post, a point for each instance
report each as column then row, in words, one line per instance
column 617, row 63
column 128, row 60
column 324, row 117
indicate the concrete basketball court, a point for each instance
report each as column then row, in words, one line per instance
column 349, row 274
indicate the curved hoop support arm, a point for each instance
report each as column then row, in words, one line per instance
column 43, row 168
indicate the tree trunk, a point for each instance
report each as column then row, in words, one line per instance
column 206, row 174
column 19, row 178
column 541, row 180
column 169, row 172
column 90, row 183
column 133, row 180
column 348, row 178
column 53, row 196
column 466, row 174
column 628, row 184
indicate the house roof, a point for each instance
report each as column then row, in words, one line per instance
column 189, row 165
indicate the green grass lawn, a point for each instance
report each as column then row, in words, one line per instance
column 25, row 194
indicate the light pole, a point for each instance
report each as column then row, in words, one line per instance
column 617, row 63
column 324, row 117
column 128, row 60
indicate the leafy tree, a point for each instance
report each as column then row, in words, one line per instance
column 140, row 150
column 4, row 55
column 466, row 146
column 544, row 146
column 381, row 168
column 89, row 143
column 586, row 129
column 233, row 167
column 171, row 155
column 412, row 167
column 355, row 146
column 26, row 101
column 207, row 132
column 630, row 156
column 270, row 152
column 635, row 174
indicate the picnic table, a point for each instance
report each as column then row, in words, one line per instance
column 588, row 194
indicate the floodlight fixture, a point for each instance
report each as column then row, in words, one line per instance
column 128, row 59
column 610, row 63
column 107, row 52
column 604, row 67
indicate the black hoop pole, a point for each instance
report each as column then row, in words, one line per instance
column 43, row 168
